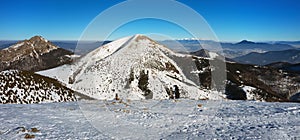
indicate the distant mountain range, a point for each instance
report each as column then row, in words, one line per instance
column 286, row 66
column 290, row 56
column 4, row 44
column 253, row 45
column 247, row 52
column 245, row 47
column 293, row 43
column 229, row 50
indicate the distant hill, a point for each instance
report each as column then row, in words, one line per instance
column 290, row 56
column 5, row 44
column 293, row 43
column 245, row 44
column 286, row 66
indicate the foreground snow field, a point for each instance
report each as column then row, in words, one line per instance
column 150, row 119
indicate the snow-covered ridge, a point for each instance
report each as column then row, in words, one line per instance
column 107, row 49
column 15, row 46
column 102, row 52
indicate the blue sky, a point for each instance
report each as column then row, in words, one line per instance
column 231, row 20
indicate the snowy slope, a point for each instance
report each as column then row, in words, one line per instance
column 26, row 87
column 131, row 68
column 63, row 73
column 183, row 119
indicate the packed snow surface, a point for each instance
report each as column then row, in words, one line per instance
column 150, row 119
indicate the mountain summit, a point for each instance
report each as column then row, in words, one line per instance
column 133, row 67
column 34, row 54
column 245, row 42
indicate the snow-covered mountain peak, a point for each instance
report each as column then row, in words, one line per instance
column 134, row 67
column 110, row 48
column 107, row 49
